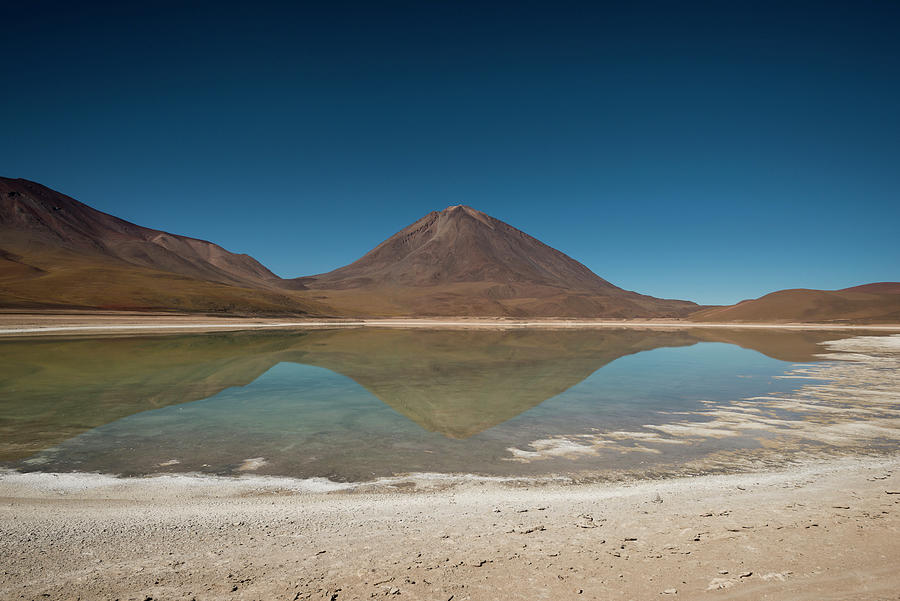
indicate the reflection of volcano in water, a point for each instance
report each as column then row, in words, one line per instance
column 460, row 383
column 454, row 382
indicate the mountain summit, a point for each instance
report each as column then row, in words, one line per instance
column 461, row 261
column 460, row 244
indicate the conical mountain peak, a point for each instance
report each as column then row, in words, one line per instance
column 458, row 209
column 464, row 211
column 461, row 261
column 461, row 244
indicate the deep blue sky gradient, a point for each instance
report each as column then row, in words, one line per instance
column 712, row 152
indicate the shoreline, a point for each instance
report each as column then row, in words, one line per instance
column 30, row 324
column 85, row 486
column 810, row 531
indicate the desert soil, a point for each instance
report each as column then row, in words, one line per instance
column 821, row 531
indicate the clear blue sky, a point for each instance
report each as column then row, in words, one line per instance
column 711, row 152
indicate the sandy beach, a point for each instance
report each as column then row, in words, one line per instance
column 820, row 531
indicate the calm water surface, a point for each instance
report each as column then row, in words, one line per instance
column 357, row 404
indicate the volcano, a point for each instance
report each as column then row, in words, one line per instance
column 460, row 261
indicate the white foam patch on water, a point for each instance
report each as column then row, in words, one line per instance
column 14, row 483
column 856, row 403
column 554, row 447
column 645, row 437
column 252, row 464
column 866, row 344
column 74, row 482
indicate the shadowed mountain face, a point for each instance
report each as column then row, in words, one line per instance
column 869, row 303
column 460, row 261
column 32, row 215
column 58, row 252
column 456, row 383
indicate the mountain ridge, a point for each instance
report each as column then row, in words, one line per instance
column 59, row 253
column 436, row 224
column 44, row 215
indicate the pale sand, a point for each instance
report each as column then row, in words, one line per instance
column 822, row 531
column 72, row 323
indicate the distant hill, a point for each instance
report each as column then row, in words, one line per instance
column 58, row 252
column 869, row 303
column 460, row 261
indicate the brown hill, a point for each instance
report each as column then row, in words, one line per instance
column 460, row 261
column 866, row 304
column 876, row 288
column 58, row 252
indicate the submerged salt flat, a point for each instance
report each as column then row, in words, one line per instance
column 354, row 405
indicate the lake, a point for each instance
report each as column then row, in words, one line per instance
column 359, row 404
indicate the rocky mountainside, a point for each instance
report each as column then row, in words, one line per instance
column 460, row 261
column 34, row 217
column 460, row 244
column 58, row 252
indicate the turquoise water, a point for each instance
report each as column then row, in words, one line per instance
column 355, row 405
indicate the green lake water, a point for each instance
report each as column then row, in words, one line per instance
column 358, row 404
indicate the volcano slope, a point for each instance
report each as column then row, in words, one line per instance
column 462, row 262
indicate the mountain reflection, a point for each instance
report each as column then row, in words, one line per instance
column 454, row 382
